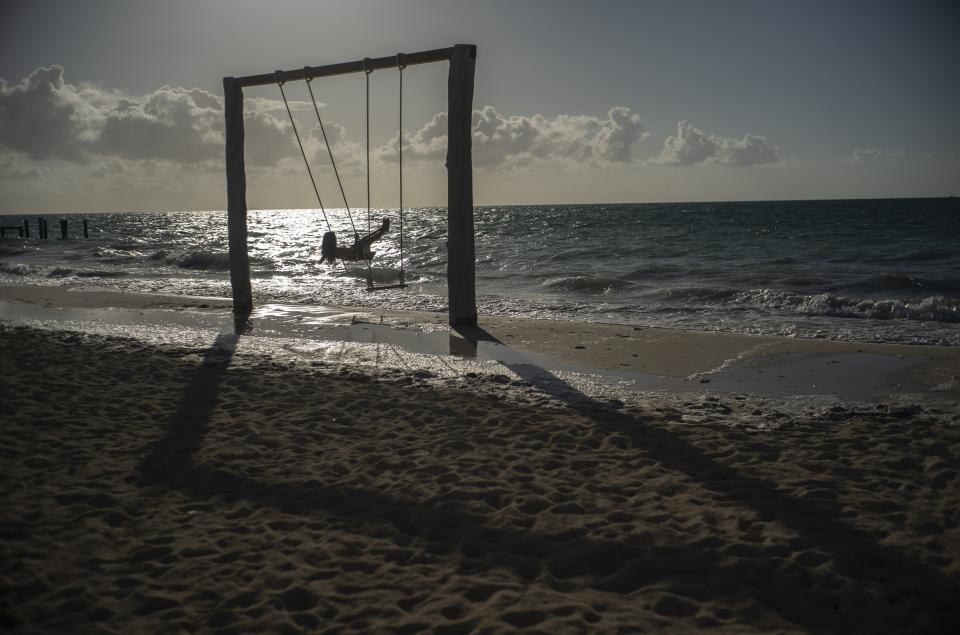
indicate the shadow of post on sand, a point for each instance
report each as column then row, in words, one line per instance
column 855, row 552
column 171, row 457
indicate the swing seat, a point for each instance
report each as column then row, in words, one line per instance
column 372, row 286
column 399, row 285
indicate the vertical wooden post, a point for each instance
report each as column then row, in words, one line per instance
column 39, row 227
column 63, row 228
column 461, row 266
column 236, row 197
column 85, row 234
column 26, row 228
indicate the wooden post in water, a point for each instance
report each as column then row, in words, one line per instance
column 461, row 266
column 26, row 228
column 85, row 234
column 63, row 228
column 236, row 197
column 39, row 227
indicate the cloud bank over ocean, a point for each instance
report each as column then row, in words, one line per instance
column 44, row 119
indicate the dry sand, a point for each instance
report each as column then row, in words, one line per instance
column 157, row 488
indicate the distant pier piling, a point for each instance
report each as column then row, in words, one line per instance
column 43, row 228
column 14, row 228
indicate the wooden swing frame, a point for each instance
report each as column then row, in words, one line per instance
column 461, row 267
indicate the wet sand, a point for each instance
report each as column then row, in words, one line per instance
column 160, row 487
column 627, row 359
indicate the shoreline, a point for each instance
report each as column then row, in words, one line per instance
column 612, row 357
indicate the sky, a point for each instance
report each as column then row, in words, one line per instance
column 117, row 105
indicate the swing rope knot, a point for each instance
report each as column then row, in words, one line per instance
column 367, row 65
column 276, row 75
column 400, row 63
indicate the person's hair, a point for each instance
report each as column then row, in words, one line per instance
column 328, row 248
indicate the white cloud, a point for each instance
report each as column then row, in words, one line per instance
column 348, row 154
column 46, row 118
column 169, row 124
column 517, row 140
column 874, row 155
column 43, row 117
column 751, row 150
column 268, row 139
column 265, row 104
column 691, row 146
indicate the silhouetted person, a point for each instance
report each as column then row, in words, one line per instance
column 359, row 250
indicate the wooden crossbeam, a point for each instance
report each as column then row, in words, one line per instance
column 345, row 68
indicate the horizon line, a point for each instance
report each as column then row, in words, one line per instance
column 486, row 205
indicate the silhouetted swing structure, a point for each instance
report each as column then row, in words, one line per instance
column 461, row 276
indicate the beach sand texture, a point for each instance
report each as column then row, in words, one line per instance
column 157, row 489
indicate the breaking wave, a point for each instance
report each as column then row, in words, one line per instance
column 205, row 260
column 930, row 309
column 586, row 284
column 16, row 269
column 901, row 282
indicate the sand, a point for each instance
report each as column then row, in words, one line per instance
column 161, row 488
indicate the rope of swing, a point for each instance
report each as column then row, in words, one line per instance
column 336, row 172
column 302, row 153
column 366, row 94
column 306, row 163
column 401, row 66
column 329, row 152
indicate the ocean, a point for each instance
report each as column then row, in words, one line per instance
column 858, row 270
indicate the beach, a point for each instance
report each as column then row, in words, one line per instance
column 257, row 479
column 538, row 317
column 541, row 317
